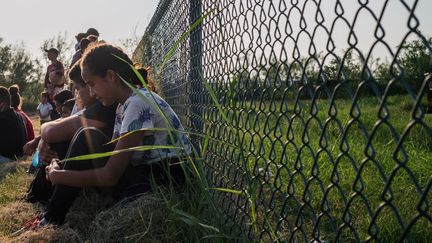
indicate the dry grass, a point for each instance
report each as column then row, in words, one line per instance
column 81, row 224
column 90, row 218
column 93, row 218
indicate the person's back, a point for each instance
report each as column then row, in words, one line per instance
column 12, row 129
column 16, row 103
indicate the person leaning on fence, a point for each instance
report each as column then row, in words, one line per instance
column 130, row 173
column 16, row 103
column 56, row 136
column 12, row 129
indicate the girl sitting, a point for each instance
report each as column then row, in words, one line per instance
column 130, row 173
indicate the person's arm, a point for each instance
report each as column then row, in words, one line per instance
column 46, row 154
column 63, row 129
column 30, row 147
column 102, row 177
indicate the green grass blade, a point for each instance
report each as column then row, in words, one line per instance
column 154, row 130
column 181, row 39
column 107, row 154
column 237, row 192
column 192, row 220
column 214, row 98
column 140, row 77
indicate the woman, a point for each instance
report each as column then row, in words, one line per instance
column 130, row 173
column 16, row 103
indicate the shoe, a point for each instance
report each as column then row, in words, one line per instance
column 33, row 224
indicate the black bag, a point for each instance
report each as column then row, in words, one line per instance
column 40, row 189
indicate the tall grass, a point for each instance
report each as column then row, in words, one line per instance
column 325, row 167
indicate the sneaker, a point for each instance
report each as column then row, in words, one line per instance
column 33, row 224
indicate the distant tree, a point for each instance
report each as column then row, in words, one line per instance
column 17, row 66
column 130, row 44
column 347, row 68
column 414, row 60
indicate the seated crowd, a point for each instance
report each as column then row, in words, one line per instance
column 103, row 114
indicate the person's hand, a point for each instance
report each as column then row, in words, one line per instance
column 51, row 169
column 30, row 147
column 46, row 154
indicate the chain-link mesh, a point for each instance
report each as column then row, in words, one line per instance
column 321, row 120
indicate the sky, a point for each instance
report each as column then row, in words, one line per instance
column 33, row 21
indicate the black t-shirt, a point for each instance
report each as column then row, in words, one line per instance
column 103, row 114
column 12, row 134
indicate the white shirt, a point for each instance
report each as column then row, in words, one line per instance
column 137, row 113
column 44, row 110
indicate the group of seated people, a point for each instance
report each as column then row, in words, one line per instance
column 114, row 117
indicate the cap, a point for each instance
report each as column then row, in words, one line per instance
column 92, row 31
column 52, row 50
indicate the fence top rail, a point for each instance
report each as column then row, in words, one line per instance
column 159, row 13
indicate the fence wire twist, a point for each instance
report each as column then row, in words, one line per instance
column 325, row 141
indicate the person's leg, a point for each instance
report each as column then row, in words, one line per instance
column 4, row 159
column 86, row 141
column 40, row 189
column 138, row 180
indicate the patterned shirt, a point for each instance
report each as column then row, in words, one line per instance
column 139, row 113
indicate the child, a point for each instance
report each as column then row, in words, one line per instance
column 130, row 172
column 44, row 108
column 67, row 108
column 61, row 98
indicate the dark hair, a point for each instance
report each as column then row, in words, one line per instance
column 92, row 31
column 75, row 73
column 4, row 95
column 69, row 104
column 144, row 73
column 80, row 36
column 101, row 57
column 45, row 94
column 84, row 44
column 92, row 38
column 15, row 96
column 63, row 96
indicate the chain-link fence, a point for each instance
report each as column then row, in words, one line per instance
column 320, row 116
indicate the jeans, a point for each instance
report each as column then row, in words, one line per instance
column 4, row 159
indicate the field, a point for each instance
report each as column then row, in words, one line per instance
column 353, row 172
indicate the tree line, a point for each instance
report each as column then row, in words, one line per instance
column 408, row 70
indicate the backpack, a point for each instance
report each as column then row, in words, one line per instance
column 40, row 189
